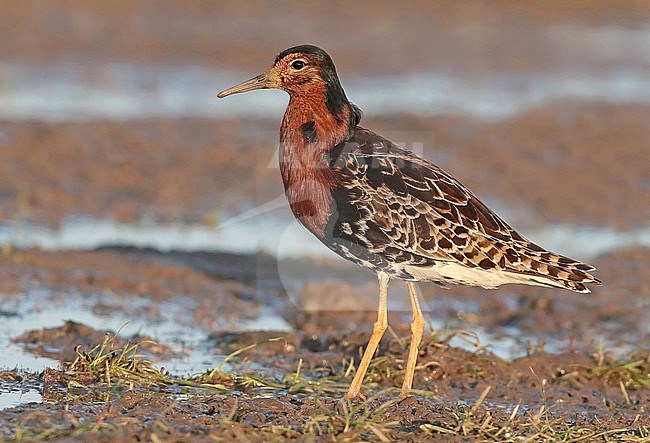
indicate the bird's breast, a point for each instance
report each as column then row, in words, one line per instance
column 308, row 184
column 308, row 133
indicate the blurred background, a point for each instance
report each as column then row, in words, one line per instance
column 111, row 134
column 109, row 108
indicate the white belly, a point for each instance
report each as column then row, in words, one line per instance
column 456, row 273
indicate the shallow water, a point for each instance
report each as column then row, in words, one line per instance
column 276, row 235
column 121, row 91
column 11, row 395
column 174, row 328
column 41, row 309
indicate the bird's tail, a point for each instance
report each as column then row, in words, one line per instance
column 550, row 269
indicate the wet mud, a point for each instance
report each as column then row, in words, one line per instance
column 290, row 384
column 566, row 163
column 119, row 343
column 458, row 388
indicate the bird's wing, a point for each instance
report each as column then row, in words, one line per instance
column 413, row 211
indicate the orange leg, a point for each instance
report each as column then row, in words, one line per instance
column 354, row 391
column 417, row 329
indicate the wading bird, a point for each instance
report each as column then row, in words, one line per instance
column 385, row 208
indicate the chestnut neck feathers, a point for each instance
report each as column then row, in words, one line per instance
column 318, row 117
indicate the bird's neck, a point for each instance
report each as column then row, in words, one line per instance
column 313, row 124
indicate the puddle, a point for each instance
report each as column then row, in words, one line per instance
column 68, row 91
column 267, row 321
column 39, row 309
column 173, row 327
column 11, row 396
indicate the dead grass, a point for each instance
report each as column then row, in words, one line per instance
column 108, row 367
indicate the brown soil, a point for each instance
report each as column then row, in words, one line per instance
column 572, row 163
column 565, row 162
column 464, row 37
column 582, row 388
column 546, row 388
column 60, row 343
column 133, row 274
column 334, row 296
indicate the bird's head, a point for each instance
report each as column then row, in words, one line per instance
column 318, row 107
column 298, row 70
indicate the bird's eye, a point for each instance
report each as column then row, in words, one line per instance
column 298, row 64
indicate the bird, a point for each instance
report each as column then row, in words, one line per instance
column 385, row 208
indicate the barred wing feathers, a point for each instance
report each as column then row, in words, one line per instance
column 431, row 227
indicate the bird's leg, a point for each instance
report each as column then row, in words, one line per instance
column 417, row 328
column 377, row 332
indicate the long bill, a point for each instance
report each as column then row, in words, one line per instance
column 262, row 81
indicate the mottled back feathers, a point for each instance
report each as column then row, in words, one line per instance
column 393, row 211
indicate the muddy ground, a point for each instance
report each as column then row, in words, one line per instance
column 292, row 387
column 181, row 170
column 508, row 35
column 575, row 367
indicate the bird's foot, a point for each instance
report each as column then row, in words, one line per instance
column 355, row 398
column 404, row 395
